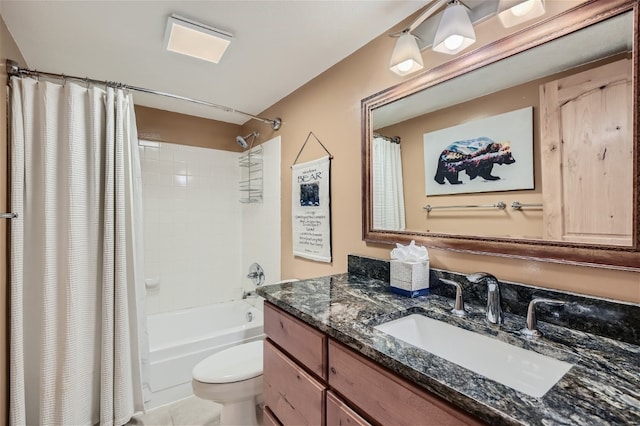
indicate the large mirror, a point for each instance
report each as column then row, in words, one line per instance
column 527, row 147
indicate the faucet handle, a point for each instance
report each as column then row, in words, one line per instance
column 531, row 330
column 458, row 309
column 256, row 274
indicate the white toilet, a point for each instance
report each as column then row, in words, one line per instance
column 233, row 378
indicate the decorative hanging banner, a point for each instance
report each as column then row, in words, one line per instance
column 311, row 210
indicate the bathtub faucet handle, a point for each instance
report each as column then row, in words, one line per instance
column 256, row 274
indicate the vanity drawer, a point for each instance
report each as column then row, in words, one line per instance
column 292, row 394
column 339, row 413
column 299, row 340
column 268, row 418
column 386, row 398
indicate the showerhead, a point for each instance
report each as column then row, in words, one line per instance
column 242, row 141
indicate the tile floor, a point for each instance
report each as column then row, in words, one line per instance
column 191, row 411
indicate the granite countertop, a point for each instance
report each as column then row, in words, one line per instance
column 603, row 387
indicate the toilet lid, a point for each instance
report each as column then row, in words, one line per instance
column 237, row 363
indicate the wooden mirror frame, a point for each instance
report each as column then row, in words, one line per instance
column 583, row 15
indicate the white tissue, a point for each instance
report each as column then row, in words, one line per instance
column 410, row 253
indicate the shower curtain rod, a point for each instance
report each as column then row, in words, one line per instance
column 13, row 69
column 392, row 139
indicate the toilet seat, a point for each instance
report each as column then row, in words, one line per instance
column 241, row 362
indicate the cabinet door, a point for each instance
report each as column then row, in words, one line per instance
column 339, row 413
column 293, row 395
column 587, row 156
column 386, row 398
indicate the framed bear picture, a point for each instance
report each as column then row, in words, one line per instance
column 485, row 155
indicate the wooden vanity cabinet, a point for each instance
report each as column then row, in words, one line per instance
column 292, row 394
column 339, row 413
column 385, row 397
column 295, row 369
column 269, row 419
column 310, row 379
column 305, row 344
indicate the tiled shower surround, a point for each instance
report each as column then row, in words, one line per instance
column 193, row 224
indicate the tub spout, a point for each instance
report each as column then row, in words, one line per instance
column 246, row 294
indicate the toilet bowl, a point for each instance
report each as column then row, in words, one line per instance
column 233, row 378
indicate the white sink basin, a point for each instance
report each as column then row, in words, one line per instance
column 520, row 369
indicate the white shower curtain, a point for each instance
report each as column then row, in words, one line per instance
column 76, row 301
column 388, row 191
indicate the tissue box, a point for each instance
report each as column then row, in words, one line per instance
column 410, row 278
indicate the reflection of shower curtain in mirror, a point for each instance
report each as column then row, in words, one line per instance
column 388, row 192
column 75, row 313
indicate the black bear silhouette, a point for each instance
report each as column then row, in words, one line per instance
column 475, row 156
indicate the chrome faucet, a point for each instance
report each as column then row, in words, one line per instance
column 531, row 330
column 494, row 311
column 458, row 309
column 246, row 294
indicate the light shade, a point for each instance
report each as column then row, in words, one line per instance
column 406, row 57
column 455, row 31
column 195, row 39
column 514, row 12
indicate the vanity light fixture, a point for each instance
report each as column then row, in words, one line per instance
column 195, row 39
column 451, row 30
column 455, row 31
column 406, row 57
column 515, row 12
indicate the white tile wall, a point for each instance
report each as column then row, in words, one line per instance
column 199, row 238
column 261, row 222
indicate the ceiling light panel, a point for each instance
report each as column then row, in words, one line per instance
column 194, row 39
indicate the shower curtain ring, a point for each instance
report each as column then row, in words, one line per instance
column 64, row 80
column 86, row 80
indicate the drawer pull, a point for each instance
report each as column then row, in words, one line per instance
column 333, row 370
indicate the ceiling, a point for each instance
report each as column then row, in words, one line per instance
column 277, row 46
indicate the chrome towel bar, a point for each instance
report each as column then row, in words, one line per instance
column 499, row 205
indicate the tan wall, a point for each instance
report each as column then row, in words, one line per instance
column 329, row 106
column 165, row 126
column 8, row 50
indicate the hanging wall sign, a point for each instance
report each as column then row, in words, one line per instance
column 311, row 210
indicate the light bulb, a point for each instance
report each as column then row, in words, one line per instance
column 453, row 41
column 405, row 66
column 522, row 8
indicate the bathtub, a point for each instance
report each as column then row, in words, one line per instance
column 179, row 340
